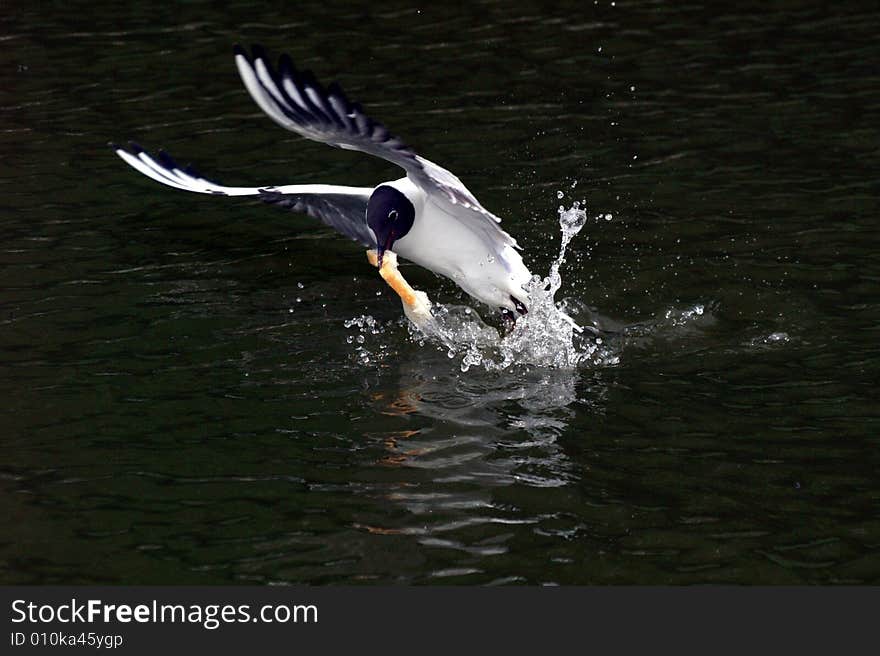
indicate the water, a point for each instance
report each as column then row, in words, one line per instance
column 205, row 390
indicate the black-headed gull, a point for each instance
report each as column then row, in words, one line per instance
column 428, row 217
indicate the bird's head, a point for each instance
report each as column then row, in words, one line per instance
column 390, row 215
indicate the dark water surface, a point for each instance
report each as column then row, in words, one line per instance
column 185, row 399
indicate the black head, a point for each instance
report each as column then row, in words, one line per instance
column 390, row 216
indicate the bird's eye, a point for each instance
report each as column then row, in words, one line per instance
column 392, row 215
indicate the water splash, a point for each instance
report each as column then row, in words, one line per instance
column 545, row 337
column 773, row 339
column 678, row 318
column 366, row 327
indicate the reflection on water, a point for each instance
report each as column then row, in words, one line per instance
column 474, row 432
column 487, row 427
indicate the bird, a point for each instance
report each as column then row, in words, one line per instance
column 427, row 216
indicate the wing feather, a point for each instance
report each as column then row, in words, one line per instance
column 298, row 102
column 342, row 208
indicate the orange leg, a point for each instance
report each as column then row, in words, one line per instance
column 415, row 303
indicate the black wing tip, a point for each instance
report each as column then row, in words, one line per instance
column 134, row 148
column 300, row 77
column 259, row 52
column 251, row 55
column 334, row 89
column 166, row 160
column 307, row 79
column 285, row 61
column 288, row 68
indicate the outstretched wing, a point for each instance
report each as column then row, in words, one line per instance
column 298, row 102
column 341, row 208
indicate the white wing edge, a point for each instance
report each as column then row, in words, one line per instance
column 168, row 173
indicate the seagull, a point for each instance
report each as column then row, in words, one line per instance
column 427, row 217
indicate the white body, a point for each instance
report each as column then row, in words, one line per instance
column 483, row 266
